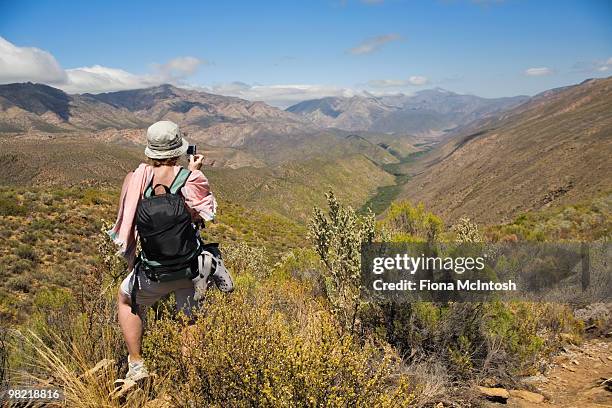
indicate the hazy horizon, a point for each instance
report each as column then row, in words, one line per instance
column 286, row 53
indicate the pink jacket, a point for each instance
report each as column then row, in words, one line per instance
column 196, row 191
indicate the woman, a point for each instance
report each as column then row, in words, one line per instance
column 165, row 146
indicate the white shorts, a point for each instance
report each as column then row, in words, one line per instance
column 150, row 292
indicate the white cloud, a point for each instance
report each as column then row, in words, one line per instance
column 594, row 66
column 416, row 80
column 20, row 64
column 539, row 71
column 283, row 96
column 280, row 95
column 180, row 67
column 370, row 45
column 103, row 79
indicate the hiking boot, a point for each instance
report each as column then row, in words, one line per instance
column 136, row 371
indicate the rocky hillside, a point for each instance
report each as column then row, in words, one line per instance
column 40, row 108
column 233, row 132
column 214, row 119
column 427, row 113
column 555, row 149
column 28, row 106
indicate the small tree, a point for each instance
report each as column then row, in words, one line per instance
column 337, row 237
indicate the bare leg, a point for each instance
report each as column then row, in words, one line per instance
column 131, row 326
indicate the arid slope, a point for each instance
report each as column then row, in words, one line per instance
column 551, row 151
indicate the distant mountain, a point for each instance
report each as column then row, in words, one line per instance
column 553, row 150
column 427, row 113
column 30, row 107
column 354, row 113
column 217, row 120
column 235, row 132
column 214, row 119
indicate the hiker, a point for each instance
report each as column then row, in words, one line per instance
column 163, row 205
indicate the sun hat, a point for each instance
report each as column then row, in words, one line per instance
column 165, row 141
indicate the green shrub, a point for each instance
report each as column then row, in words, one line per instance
column 26, row 252
column 94, row 197
column 9, row 207
column 22, row 266
column 241, row 258
column 466, row 231
column 29, row 238
column 43, row 225
column 475, row 339
column 20, row 283
column 587, row 221
column 405, row 222
column 302, row 264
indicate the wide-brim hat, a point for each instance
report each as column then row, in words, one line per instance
column 165, row 141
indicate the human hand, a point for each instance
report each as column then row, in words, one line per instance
column 195, row 162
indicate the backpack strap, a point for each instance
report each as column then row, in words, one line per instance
column 178, row 183
column 135, row 287
column 148, row 192
column 163, row 185
column 179, row 180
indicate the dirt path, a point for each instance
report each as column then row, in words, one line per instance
column 574, row 378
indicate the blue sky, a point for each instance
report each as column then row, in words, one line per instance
column 282, row 51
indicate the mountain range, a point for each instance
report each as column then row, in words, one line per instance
column 460, row 154
column 263, row 156
column 28, row 106
column 427, row 113
column 233, row 131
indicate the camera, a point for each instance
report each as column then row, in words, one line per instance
column 192, row 150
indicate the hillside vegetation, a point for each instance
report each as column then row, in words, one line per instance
column 289, row 189
column 48, row 239
column 284, row 338
column 297, row 330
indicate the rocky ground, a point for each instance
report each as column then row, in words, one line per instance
column 580, row 377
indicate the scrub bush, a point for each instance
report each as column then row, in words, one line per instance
column 26, row 252
column 405, row 222
column 241, row 258
column 274, row 348
column 337, row 237
column 9, row 207
column 474, row 340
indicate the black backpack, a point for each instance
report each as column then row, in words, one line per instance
column 169, row 241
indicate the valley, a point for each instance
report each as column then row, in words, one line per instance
column 402, row 171
column 536, row 171
column 285, row 160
